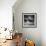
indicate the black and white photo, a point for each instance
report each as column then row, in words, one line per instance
column 29, row 20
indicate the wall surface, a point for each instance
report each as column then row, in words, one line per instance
column 31, row 6
column 43, row 22
column 6, row 13
column 37, row 34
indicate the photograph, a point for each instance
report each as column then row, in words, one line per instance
column 29, row 20
column 22, row 22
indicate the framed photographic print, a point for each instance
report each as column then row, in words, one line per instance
column 29, row 20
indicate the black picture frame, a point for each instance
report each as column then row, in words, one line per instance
column 29, row 20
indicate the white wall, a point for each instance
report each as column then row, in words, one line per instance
column 6, row 13
column 43, row 22
column 31, row 6
column 28, row 6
